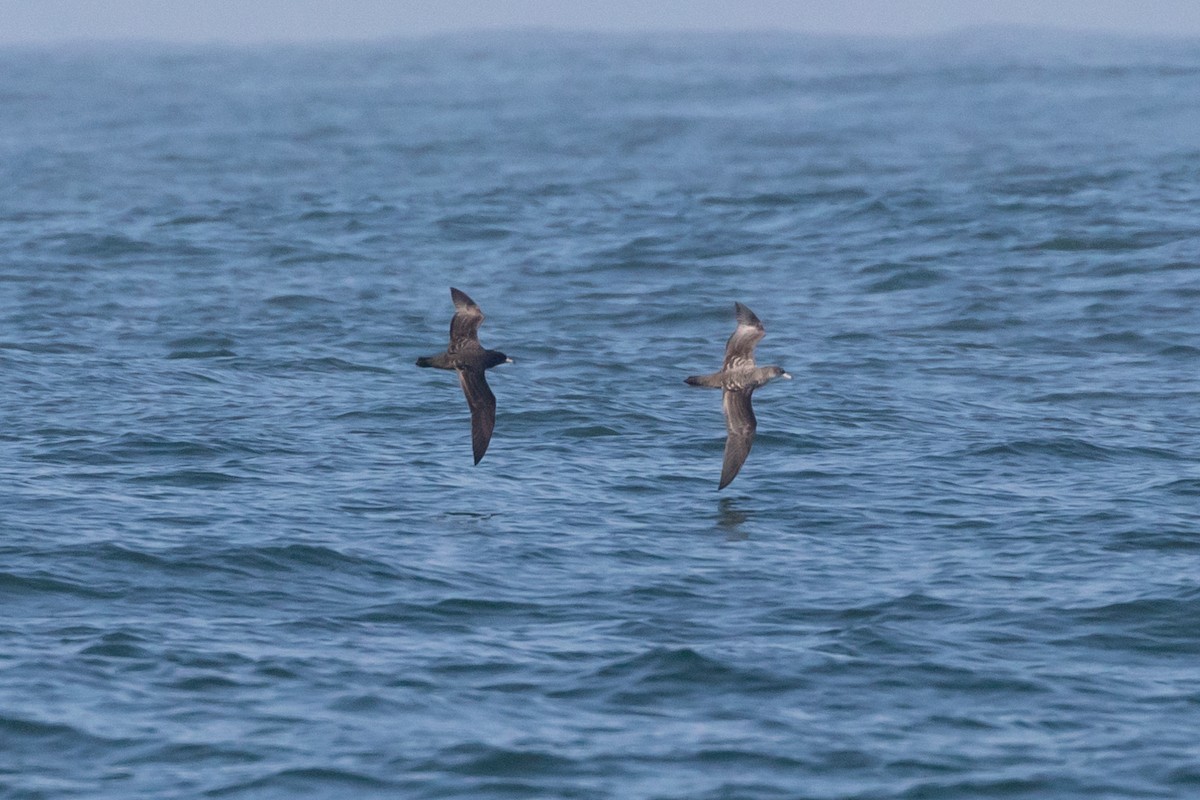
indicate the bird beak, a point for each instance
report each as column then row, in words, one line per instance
column 785, row 375
column 509, row 361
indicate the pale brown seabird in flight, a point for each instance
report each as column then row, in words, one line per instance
column 739, row 377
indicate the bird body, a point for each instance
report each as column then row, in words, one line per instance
column 738, row 377
column 466, row 356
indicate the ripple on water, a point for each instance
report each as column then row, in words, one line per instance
column 311, row 781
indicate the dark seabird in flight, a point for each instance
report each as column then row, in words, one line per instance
column 739, row 377
column 466, row 356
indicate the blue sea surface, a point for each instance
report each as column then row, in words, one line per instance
column 243, row 549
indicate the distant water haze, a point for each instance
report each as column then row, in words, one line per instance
column 28, row 21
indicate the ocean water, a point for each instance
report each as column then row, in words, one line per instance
column 245, row 554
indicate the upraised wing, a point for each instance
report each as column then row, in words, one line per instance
column 464, row 325
column 739, row 350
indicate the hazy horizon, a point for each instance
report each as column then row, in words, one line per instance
column 301, row 21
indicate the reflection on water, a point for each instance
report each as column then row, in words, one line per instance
column 730, row 519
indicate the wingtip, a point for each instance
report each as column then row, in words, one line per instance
column 745, row 316
column 460, row 297
column 727, row 476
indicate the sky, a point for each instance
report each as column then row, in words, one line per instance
column 250, row 21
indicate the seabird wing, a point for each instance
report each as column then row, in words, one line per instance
column 739, row 420
column 464, row 325
column 739, row 350
column 709, row 381
column 483, row 409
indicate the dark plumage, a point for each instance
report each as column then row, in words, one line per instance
column 739, row 377
column 469, row 359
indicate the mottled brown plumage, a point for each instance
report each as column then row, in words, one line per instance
column 739, row 377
